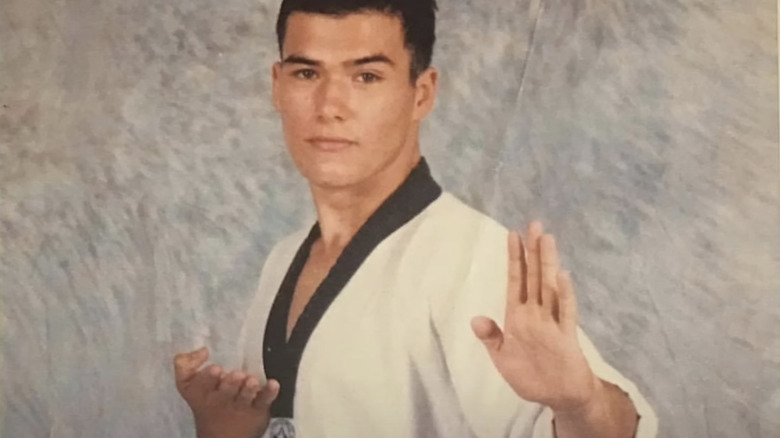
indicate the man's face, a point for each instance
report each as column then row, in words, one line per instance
column 349, row 111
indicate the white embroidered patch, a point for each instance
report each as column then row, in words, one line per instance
column 281, row 428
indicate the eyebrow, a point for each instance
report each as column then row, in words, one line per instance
column 298, row 59
column 371, row 59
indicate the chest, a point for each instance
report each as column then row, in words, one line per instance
column 313, row 273
column 375, row 358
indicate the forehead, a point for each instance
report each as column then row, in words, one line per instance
column 338, row 38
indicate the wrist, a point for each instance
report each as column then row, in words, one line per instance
column 590, row 408
column 203, row 431
column 608, row 413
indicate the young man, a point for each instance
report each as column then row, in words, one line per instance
column 383, row 318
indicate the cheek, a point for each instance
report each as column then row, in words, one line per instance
column 391, row 110
column 294, row 107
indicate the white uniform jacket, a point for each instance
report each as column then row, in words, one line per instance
column 385, row 346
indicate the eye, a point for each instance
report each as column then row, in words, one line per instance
column 305, row 73
column 368, row 77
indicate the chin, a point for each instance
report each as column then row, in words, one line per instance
column 332, row 174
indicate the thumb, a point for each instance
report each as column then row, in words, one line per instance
column 187, row 364
column 488, row 332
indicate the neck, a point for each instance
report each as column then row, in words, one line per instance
column 341, row 211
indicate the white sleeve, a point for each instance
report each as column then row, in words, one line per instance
column 491, row 408
column 249, row 353
column 239, row 356
column 249, row 346
column 475, row 285
column 648, row 422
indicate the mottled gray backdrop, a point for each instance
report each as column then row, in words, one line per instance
column 144, row 179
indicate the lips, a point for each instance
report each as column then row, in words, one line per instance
column 330, row 144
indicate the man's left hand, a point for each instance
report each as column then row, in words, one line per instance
column 538, row 353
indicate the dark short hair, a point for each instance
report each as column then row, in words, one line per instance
column 418, row 18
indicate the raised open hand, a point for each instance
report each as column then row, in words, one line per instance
column 225, row 405
column 538, row 353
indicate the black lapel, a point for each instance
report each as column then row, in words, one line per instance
column 281, row 358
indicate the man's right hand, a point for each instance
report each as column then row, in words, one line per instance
column 225, row 405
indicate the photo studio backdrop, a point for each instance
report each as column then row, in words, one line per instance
column 144, row 180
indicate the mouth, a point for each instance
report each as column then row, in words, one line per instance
column 330, row 144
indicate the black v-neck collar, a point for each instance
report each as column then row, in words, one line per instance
column 281, row 357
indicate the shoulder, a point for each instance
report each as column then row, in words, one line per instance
column 284, row 250
column 458, row 255
column 463, row 234
column 449, row 216
column 279, row 258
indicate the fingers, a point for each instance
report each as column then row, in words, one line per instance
column 567, row 304
column 267, row 395
column 488, row 332
column 549, row 275
column 218, row 386
column 186, row 365
column 542, row 284
column 248, row 392
column 515, row 285
column 206, row 380
column 243, row 389
column 533, row 262
column 230, row 384
column 542, row 266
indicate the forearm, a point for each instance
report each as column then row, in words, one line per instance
column 611, row 414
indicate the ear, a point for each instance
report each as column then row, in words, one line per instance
column 276, row 72
column 425, row 93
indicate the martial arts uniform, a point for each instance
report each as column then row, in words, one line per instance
column 385, row 347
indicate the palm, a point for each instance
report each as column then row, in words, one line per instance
column 225, row 405
column 537, row 353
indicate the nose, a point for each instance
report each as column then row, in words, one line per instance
column 331, row 100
